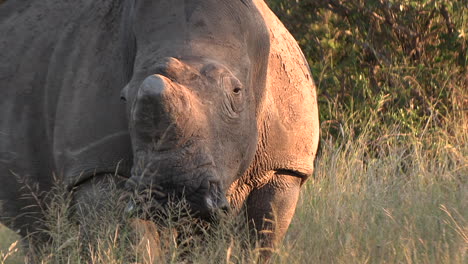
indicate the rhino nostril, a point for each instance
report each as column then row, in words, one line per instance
column 215, row 199
column 210, row 203
column 223, row 205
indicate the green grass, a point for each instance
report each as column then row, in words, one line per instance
column 9, row 247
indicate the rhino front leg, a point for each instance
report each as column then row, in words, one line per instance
column 101, row 197
column 97, row 193
column 271, row 208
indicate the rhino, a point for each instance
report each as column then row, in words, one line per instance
column 207, row 100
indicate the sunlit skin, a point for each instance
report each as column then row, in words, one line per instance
column 207, row 101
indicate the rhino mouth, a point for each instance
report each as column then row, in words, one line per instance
column 203, row 196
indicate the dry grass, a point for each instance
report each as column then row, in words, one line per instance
column 391, row 188
column 395, row 199
column 405, row 203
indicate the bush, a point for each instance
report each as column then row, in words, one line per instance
column 401, row 61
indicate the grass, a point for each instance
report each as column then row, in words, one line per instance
column 9, row 246
column 390, row 184
column 406, row 204
column 400, row 198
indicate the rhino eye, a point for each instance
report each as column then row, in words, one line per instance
column 236, row 86
column 234, row 99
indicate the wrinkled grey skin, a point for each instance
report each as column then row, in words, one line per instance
column 173, row 96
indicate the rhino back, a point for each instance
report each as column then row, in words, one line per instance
column 61, row 69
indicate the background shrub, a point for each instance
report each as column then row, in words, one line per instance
column 401, row 61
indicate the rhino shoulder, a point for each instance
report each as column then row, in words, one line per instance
column 288, row 122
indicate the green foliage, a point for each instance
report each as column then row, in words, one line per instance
column 9, row 247
column 402, row 61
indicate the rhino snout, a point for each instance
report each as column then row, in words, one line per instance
column 205, row 202
column 213, row 201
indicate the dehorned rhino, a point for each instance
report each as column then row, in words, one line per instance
column 211, row 100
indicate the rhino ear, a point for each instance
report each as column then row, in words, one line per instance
column 124, row 93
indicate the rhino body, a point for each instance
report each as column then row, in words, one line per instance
column 210, row 99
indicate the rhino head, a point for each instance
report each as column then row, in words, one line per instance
column 193, row 132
